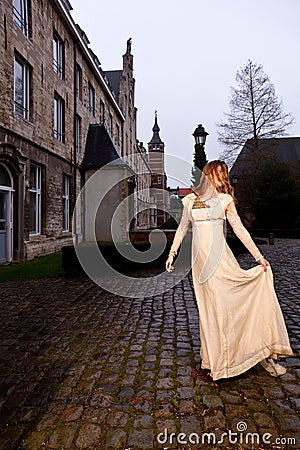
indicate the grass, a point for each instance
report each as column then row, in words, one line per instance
column 38, row 268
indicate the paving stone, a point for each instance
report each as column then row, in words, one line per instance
column 213, row 401
column 167, row 424
column 185, row 381
column 190, row 425
column 71, row 413
column 273, row 392
column 117, row 419
column 214, row 421
column 165, row 383
column 257, row 405
column 164, row 371
column 186, row 407
column 115, row 438
column 94, row 415
column 186, row 392
column 141, row 439
column 62, row 437
column 296, row 402
column 292, row 389
column 126, row 392
column 281, row 406
column 263, row 420
column 289, row 422
column 143, row 421
column 89, row 435
column 233, row 398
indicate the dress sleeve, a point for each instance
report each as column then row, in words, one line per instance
column 240, row 231
column 182, row 228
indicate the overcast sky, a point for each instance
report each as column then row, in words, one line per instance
column 186, row 55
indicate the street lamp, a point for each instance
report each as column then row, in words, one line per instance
column 200, row 135
column 199, row 156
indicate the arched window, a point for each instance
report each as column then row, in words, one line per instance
column 5, row 179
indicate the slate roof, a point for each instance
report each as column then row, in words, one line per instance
column 100, row 149
column 114, row 80
column 155, row 138
column 286, row 149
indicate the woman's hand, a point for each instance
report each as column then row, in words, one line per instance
column 263, row 262
column 169, row 263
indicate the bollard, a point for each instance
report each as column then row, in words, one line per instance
column 271, row 238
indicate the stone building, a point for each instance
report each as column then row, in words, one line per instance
column 53, row 93
column 156, row 150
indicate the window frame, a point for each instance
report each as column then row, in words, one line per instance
column 78, row 125
column 91, row 99
column 66, row 203
column 110, row 125
column 117, row 134
column 37, row 191
column 58, row 55
column 21, row 17
column 24, row 106
column 78, row 81
column 102, row 112
column 59, row 118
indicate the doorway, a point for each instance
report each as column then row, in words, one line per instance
column 6, row 215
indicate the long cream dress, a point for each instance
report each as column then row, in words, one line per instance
column 241, row 322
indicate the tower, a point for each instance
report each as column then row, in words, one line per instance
column 156, row 149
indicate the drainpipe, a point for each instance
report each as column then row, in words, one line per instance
column 74, row 138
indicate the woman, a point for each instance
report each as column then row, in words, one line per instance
column 241, row 323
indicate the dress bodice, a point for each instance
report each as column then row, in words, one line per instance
column 212, row 209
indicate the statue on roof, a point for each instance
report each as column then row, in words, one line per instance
column 128, row 50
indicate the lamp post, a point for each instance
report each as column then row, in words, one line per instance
column 199, row 156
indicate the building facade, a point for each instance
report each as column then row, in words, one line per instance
column 53, row 91
column 156, row 151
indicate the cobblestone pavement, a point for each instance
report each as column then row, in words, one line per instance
column 81, row 368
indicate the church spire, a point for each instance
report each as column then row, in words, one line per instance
column 155, row 138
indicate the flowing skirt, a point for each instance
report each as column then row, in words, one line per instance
column 241, row 322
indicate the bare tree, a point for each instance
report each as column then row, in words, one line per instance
column 255, row 112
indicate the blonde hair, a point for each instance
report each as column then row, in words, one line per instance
column 222, row 176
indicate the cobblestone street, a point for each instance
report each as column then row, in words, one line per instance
column 81, row 368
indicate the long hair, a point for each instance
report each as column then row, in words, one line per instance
column 215, row 173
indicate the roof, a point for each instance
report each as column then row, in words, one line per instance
column 182, row 192
column 285, row 149
column 100, row 149
column 114, row 80
column 155, row 138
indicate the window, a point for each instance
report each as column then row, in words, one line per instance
column 21, row 88
column 78, row 81
column 66, row 202
column 110, row 125
column 58, row 55
column 117, row 135
column 102, row 112
column 59, row 112
column 78, row 133
column 91, row 99
column 20, row 15
column 35, row 199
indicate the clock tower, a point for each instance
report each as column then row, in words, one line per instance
column 156, row 149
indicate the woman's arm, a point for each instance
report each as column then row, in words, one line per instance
column 181, row 230
column 241, row 232
column 179, row 235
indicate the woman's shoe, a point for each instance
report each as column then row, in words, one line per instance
column 275, row 370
